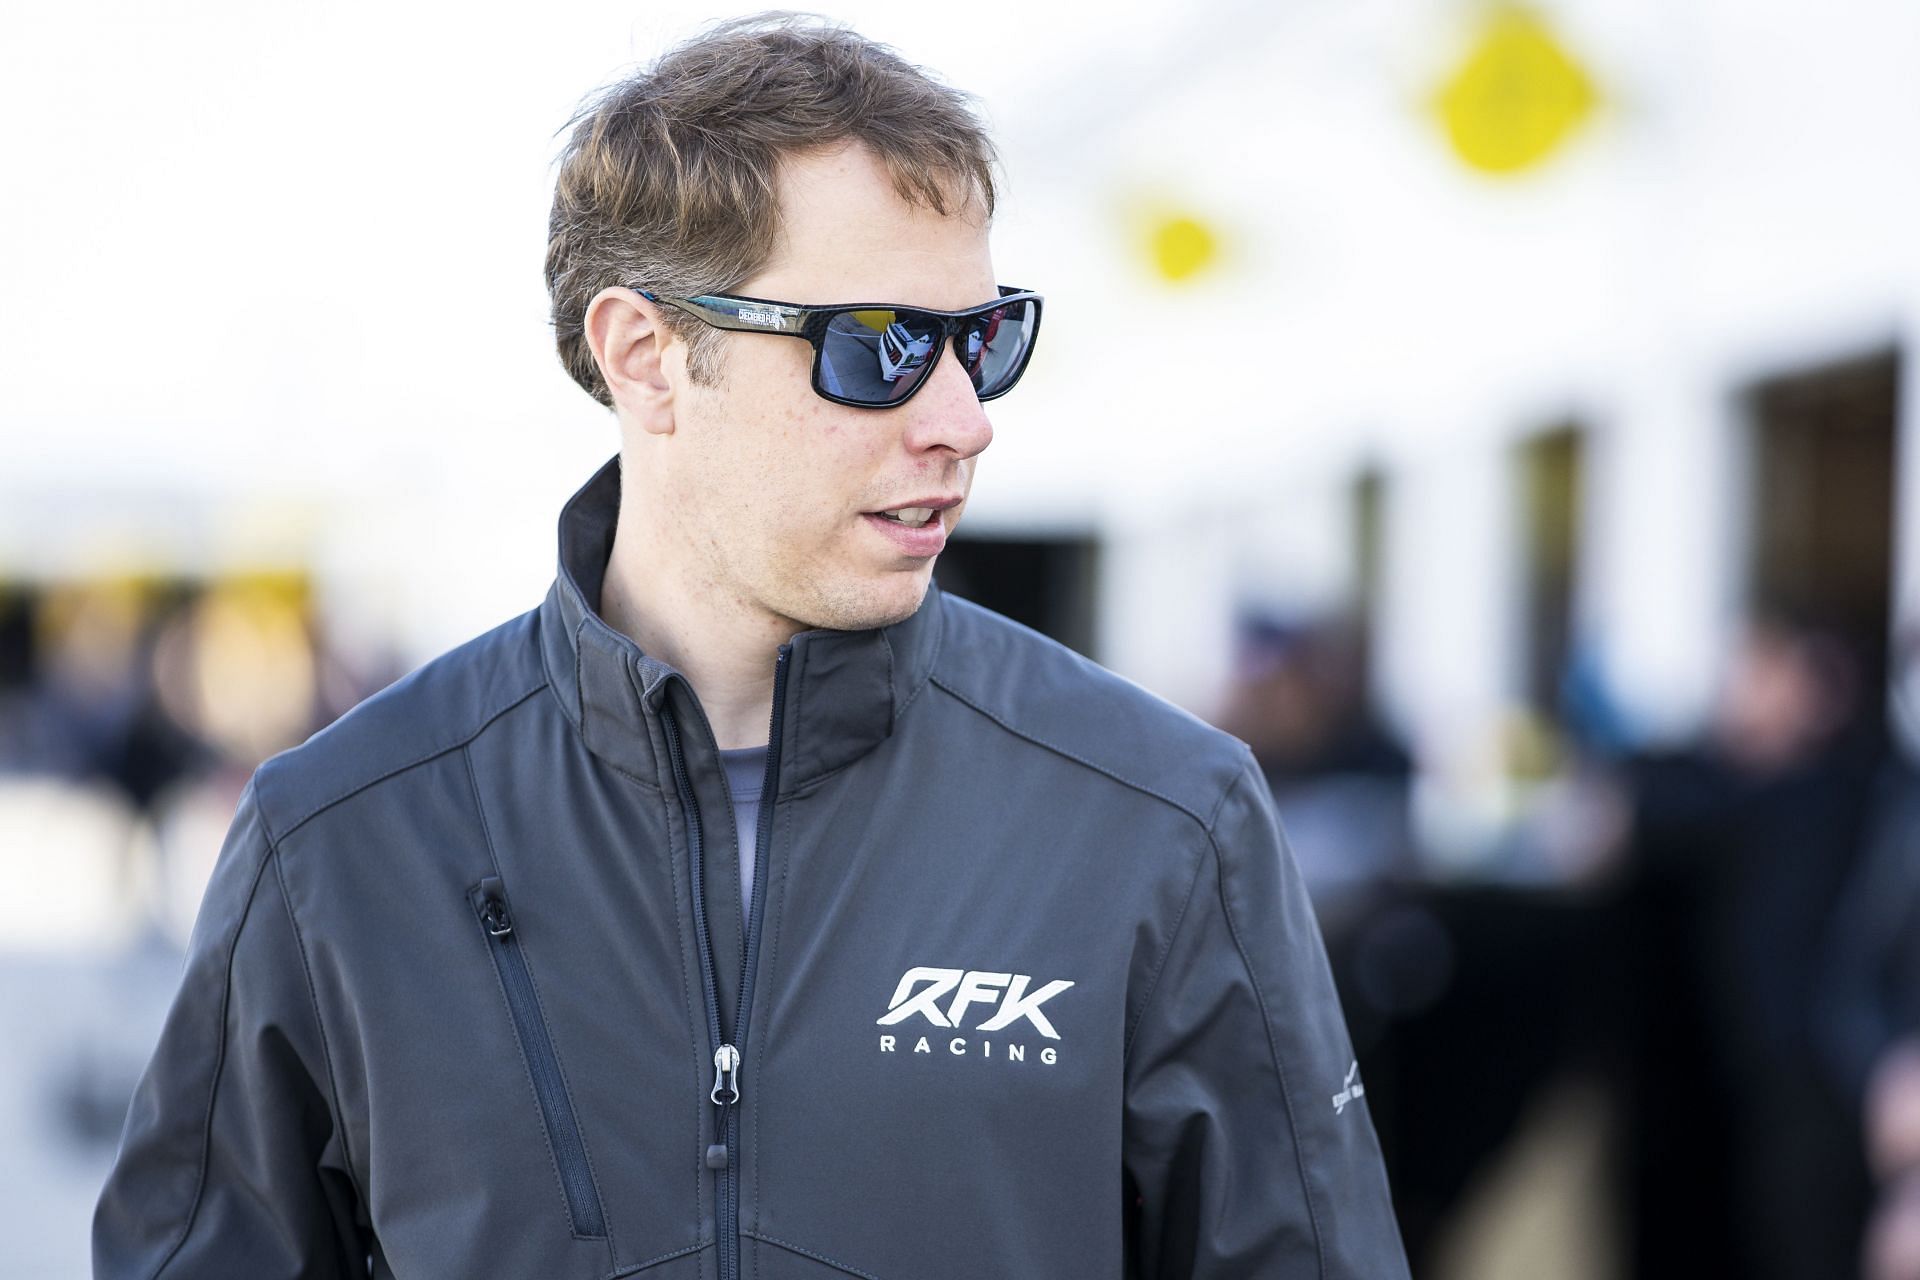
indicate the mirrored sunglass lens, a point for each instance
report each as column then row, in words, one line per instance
column 994, row 346
column 876, row 356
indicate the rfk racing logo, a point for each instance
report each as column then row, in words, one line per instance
column 945, row 997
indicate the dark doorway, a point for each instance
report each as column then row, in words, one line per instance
column 1550, row 476
column 1045, row 583
column 1821, row 520
column 1368, row 508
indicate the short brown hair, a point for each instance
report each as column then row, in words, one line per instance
column 669, row 176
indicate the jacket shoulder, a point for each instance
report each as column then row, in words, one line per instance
column 434, row 709
column 1038, row 689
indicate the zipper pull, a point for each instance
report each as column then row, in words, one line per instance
column 726, row 1075
column 493, row 908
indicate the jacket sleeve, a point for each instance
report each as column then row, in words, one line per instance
column 1249, row 1150
column 230, row 1163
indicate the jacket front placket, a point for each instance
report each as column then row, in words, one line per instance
column 728, row 944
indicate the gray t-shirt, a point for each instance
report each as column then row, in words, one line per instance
column 746, row 772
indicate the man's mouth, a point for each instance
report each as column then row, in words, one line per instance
column 912, row 517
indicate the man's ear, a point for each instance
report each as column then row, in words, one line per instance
column 633, row 349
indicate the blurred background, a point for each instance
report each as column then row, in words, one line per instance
column 1495, row 415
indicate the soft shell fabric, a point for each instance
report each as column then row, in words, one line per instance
column 1036, row 989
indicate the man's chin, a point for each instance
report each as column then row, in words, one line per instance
column 878, row 604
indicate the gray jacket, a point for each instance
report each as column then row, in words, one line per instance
column 1028, row 987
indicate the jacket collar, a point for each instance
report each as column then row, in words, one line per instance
column 844, row 689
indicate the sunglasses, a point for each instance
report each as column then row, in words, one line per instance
column 874, row 355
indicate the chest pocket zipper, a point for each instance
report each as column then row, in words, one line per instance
column 587, row 1220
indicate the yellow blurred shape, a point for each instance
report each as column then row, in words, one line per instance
column 284, row 589
column 1530, row 746
column 239, row 669
column 878, row 321
column 90, row 629
column 1517, row 97
column 1182, row 247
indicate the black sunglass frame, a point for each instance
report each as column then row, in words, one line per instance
column 742, row 314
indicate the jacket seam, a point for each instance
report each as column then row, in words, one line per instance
column 219, row 1068
column 691, row 1025
column 1160, row 964
column 421, row 759
column 640, row 696
column 804, row 1252
column 694, row 1007
column 806, row 786
column 691, row 1022
column 319, row 1023
column 579, row 683
column 798, row 679
column 540, row 1011
column 1058, row 750
column 630, row 776
column 773, row 970
column 933, row 658
column 1273, row 1048
column 892, row 714
column 1179, row 921
column 571, row 713
column 634, row 1269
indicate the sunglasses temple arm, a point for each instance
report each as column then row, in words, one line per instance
column 740, row 314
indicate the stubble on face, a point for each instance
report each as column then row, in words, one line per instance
column 767, row 541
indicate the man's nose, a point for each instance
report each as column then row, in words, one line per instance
column 947, row 411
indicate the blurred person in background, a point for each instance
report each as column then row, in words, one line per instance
column 129, row 702
column 91, row 705
column 1803, row 744
column 1748, row 1157
column 1299, row 701
column 1870, row 1010
column 615, row 939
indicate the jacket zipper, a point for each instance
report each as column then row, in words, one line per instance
column 727, row 1058
column 556, row 1110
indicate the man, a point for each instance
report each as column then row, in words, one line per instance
column 751, row 908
